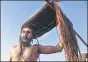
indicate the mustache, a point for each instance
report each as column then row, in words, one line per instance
column 25, row 38
column 21, row 39
column 24, row 43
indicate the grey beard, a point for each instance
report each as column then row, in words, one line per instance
column 28, row 43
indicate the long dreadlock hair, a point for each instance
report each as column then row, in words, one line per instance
column 71, row 47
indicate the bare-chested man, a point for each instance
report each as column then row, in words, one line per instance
column 25, row 52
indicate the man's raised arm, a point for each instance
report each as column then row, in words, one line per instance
column 51, row 49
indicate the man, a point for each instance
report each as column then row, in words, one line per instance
column 26, row 52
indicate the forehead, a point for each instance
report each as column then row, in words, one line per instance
column 27, row 29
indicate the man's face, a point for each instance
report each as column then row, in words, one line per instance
column 26, row 35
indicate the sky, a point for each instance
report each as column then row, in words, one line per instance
column 15, row 13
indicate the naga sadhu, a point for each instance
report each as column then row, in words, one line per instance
column 49, row 16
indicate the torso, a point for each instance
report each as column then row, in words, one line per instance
column 28, row 54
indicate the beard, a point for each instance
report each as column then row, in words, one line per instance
column 25, row 41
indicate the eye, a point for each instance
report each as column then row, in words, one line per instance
column 23, row 31
column 28, row 32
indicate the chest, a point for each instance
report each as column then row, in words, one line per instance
column 24, row 54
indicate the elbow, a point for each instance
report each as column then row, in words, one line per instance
column 59, row 49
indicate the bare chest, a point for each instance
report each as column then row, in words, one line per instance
column 25, row 55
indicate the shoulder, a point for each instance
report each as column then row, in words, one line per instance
column 37, row 46
column 13, row 48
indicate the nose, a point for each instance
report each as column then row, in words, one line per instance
column 24, row 34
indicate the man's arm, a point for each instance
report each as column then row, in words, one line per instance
column 51, row 49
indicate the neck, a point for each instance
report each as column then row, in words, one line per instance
column 26, row 44
column 23, row 46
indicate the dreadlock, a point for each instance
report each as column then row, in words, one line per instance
column 68, row 35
